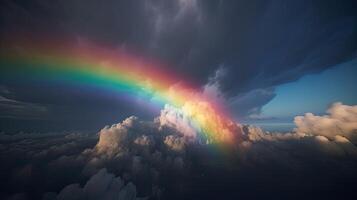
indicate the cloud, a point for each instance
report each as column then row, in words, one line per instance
column 296, row 142
column 151, row 156
column 176, row 119
column 102, row 185
column 243, row 106
column 145, row 140
column 325, row 137
column 21, row 110
column 248, row 105
column 341, row 120
column 113, row 139
column 175, row 143
column 199, row 120
column 212, row 87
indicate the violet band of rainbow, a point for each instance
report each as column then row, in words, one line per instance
column 118, row 72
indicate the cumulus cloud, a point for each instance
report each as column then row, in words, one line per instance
column 257, row 148
column 140, row 151
column 260, row 45
column 329, row 135
column 150, row 155
column 102, row 185
column 175, row 143
column 296, row 142
column 113, row 139
column 133, row 137
column 224, row 129
column 122, row 137
column 175, row 118
column 198, row 118
column 26, row 158
column 341, row 120
column 145, row 140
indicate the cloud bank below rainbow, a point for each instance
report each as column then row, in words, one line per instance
column 102, row 68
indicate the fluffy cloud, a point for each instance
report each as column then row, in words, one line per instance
column 329, row 135
column 296, row 142
column 175, row 118
column 145, row 140
column 175, row 143
column 341, row 120
column 26, row 158
column 113, row 139
column 200, row 121
column 102, row 185
column 151, row 155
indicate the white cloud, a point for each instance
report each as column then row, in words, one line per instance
column 323, row 136
column 114, row 139
column 341, row 120
column 176, row 119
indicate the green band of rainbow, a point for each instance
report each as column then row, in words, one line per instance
column 115, row 71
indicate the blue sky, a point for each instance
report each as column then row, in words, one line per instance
column 314, row 93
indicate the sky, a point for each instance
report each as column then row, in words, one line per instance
column 246, row 53
column 179, row 99
column 314, row 93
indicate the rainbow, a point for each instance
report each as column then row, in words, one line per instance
column 114, row 70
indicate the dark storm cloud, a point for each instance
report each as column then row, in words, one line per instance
column 249, row 104
column 261, row 44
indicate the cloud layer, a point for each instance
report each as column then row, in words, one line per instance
column 137, row 158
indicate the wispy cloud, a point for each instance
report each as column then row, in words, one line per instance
column 11, row 108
